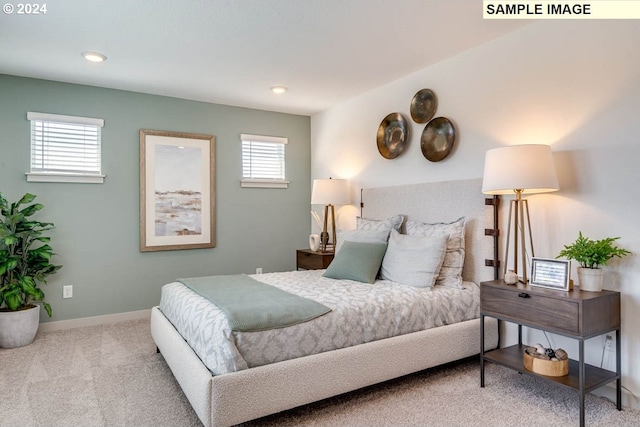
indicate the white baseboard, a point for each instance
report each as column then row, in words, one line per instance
column 94, row 320
column 609, row 392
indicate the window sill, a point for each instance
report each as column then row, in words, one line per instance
column 263, row 183
column 60, row 177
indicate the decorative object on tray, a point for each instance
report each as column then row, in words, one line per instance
column 437, row 139
column 519, row 169
column 329, row 192
column 546, row 361
column 510, row 277
column 551, row 273
column 392, row 136
column 177, row 191
column 25, row 262
column 423, row 106
column 591, row 254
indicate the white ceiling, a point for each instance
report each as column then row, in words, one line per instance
column 232, row 51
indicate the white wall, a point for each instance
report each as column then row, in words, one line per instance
column 571, row 84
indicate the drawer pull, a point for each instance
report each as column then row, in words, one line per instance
column 524, row 295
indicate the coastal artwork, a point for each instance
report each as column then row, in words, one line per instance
column 177, row 191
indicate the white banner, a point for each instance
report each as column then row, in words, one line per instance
column 561, row 9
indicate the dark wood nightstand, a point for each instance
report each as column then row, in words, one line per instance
column 574, row 314
column 311, row 260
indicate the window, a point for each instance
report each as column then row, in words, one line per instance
column 65, row 148
column 263, row 161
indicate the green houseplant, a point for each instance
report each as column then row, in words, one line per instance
column 25, row 262
column 590, row 255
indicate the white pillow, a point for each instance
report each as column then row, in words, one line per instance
column 413, row 260
column 393, row 223
column 451, row 272
column 367, row 236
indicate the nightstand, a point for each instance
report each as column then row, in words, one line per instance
column 575, row 314
column 310, row 260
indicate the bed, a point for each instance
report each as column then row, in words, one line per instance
column 251, row 386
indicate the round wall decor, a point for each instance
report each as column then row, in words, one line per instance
column 423, row 106
column 437, row 139
column 392, row 137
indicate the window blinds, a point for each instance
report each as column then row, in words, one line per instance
column 65, row 144
column 263, row 159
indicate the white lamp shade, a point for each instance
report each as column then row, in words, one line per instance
column 528, row 167
column 330, row 192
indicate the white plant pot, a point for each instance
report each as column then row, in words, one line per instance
column 19, row 328
column 590, row 279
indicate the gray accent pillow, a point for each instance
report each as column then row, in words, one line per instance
column 359, row 261
column 414, row 260
column 370, row 236
column 393, row 223
column 451, row 272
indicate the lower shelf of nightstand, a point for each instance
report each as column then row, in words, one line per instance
column 511, row 357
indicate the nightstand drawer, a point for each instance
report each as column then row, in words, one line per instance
column 310, row 260
column 529, row 308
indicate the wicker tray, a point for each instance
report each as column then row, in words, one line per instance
column 550, row 368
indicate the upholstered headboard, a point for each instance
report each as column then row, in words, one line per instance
column 442, row 202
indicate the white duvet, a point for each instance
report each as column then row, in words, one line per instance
column 361, row 313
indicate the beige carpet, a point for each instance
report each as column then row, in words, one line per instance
column 111, row 376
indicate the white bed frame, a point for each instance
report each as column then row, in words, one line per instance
column 229, row 399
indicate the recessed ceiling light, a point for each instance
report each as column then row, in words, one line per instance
column 94, row 56
column 278, row 89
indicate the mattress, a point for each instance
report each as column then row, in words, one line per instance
column 360, row 313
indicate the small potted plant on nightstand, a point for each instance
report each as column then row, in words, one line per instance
column 591, row 254
column 25, row 257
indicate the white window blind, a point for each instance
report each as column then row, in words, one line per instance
column 263, row 161
column 65, row 148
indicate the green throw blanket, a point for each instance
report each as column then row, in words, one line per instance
column 251, row 305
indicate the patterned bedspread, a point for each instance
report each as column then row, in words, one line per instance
column 360, row 313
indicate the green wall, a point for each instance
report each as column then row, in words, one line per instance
column 97, row 225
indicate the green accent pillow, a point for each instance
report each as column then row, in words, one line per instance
column 359, row 261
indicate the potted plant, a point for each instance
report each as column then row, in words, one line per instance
column 591, row 254
column 25, row 262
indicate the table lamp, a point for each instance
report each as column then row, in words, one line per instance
column 519, row 169
column 329, row 192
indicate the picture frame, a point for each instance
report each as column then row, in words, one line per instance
column 551, row 273
column 177, row 191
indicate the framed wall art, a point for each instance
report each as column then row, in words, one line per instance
column 177, row 191
column 550, row 273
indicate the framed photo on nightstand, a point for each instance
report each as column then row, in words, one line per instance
column 550, row 273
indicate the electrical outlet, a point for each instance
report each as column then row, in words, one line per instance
column 259, row 270
column 608, row 343
column 67, row 291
